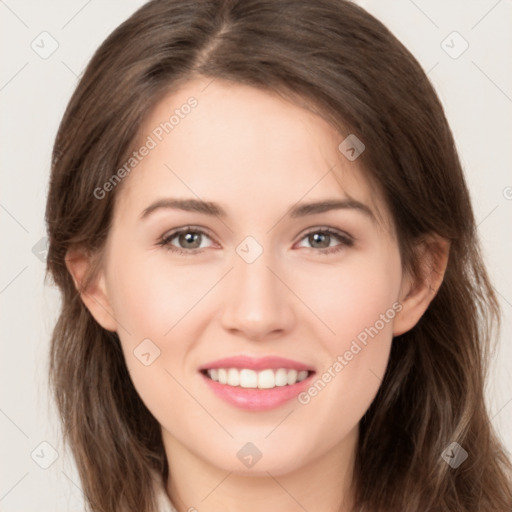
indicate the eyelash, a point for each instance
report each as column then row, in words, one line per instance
column 165, row 242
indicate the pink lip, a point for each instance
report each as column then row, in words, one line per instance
column 253, row 399
column 251, row 363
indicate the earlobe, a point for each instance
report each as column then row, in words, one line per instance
column 417, row 293
column 93, row 292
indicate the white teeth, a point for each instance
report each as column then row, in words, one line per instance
column 292, row 377
column 265, row 379
column 233, row 377
column 248, row 378
column 223, row 376
column 281, row 377
column 302, row 375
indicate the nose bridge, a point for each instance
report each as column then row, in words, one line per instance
column 257, row 302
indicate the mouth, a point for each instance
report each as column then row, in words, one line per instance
column 256, row 384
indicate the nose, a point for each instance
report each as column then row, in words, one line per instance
column 258, row 303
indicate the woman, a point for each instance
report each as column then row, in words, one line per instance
column 321, row 344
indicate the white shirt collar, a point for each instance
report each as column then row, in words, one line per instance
column 164, row 503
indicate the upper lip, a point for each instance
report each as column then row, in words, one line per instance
column 261, row 363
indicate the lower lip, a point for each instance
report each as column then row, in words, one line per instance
column 255, row 399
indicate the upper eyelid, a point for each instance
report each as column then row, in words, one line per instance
column 171, row 234
column 334, row 231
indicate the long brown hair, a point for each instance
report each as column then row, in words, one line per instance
column 345, row 65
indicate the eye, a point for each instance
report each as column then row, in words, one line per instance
column 321, row 238
column 189, row 238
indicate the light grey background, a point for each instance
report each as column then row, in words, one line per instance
column 475, row 89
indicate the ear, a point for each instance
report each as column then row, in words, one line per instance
column 418, row 292
column 93, row 293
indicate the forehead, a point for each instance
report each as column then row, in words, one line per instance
column 240, row 146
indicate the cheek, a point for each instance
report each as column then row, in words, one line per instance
column 150, row 295
column 353, row 295
column 358, row 304
column 150, row 302
column 160, row 311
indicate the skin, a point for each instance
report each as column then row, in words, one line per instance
column 256, row 155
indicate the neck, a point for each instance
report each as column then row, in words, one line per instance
column 320, row 485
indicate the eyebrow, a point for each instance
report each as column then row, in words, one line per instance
column 299, row 210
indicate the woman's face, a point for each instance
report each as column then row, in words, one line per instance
column 318, row 287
